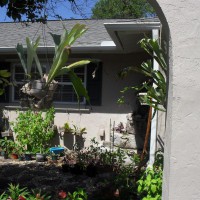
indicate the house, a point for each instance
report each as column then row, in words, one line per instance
column 113, row 43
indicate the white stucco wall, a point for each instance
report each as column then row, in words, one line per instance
column 182, row 149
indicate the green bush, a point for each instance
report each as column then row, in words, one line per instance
column 150, row 183
column 34, row 130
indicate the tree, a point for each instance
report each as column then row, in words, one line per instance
column 38, row 10
column 107, row 9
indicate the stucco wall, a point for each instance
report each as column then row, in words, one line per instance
column 182, row 149
column 98, row 119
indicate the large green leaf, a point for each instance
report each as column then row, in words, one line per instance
column 30, row 51
column 56, row 39
column 21, row 54
column 153, row 48
column 63, row 49
column 27, row 63
column 78, row 86
column 4, row 73
column 74, row 65
column 57, row 65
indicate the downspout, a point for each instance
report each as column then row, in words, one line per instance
column 153, row 136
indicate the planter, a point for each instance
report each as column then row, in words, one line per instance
column 7, row 133
column 14, row 156
column 40, row 157
column 27, row 156
column 20, row 158
column 5, row 156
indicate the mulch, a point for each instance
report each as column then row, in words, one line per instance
column 49, row 178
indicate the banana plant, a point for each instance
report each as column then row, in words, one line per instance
column 155, row 85
column 62, row 51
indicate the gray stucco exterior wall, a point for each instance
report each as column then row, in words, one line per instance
column 182, row 149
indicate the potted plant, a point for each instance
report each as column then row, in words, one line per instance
column 14, row 151
column 78, row 136
column 67, row 128
column 42, row 89
column 41, row 156
column 7, row 146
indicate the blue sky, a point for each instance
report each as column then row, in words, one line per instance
column 65, row 10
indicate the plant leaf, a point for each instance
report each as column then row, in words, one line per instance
column 78, row 86
column 20, row 52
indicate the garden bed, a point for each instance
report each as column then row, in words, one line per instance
column 50, row 179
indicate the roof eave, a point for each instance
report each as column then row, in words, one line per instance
column 75, row 50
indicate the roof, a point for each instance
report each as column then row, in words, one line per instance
column 13, row 33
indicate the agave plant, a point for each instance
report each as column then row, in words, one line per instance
column 47, row 85
column 155, row 85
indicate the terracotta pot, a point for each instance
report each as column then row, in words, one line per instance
column 14, row 156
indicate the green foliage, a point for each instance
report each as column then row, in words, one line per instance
column 35, row 10
column 7, row 145
column 67, row 128
column 4, row 75
column 14, row 192
column 62, row 51
column 28, row 57
column 150, row 182
column 34, row 130
column 155, row 85
column 79, row 194
column 108, row 9
column 74, row 129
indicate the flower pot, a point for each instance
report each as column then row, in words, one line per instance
column 40, row 157
column 20, row 158
column 14, row 156
column 5, row 155
column 27, row 156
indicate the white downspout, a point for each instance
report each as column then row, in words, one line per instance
column 153, row 136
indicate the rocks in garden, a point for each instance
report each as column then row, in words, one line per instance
column 133, row 136
column 128, row 141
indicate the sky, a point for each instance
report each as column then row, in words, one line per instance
column 63, row 9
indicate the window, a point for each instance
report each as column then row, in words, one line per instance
column 64, row 92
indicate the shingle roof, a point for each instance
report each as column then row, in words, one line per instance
column 13, row 33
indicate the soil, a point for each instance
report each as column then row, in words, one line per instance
column 49, row 178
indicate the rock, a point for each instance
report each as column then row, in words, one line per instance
column 128, row 141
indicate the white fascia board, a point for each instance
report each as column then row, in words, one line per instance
column 113, row 28
column 83, row 49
